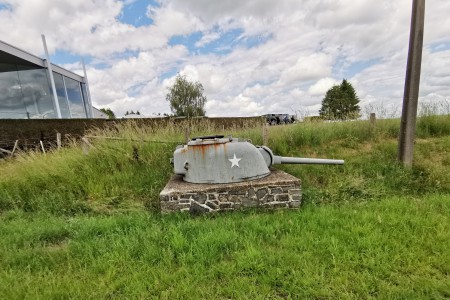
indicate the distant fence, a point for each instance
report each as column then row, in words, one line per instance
column 31, row 132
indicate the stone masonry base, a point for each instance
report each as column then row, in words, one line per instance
column 278, row 190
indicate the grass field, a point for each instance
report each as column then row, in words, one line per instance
column 86, row 226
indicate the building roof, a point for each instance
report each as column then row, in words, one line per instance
column 14, row 55
column 98, row 114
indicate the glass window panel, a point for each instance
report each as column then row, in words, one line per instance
column 61, row 93
column 86, row 99
column 11, row 102
column 36, row 93
column 75, row 98
column 7, row 67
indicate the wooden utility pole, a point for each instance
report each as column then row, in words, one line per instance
column 412, row 81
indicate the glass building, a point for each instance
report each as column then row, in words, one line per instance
column 26, row 89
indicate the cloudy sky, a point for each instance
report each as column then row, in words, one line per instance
column 252, row 56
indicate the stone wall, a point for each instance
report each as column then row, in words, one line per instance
column 278, row 190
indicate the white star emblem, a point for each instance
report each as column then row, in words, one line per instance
column 234, row 161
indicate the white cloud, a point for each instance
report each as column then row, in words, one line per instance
column 322, row 86
column 307, row 68
column 302, row 49
column 236, row 106
column 212, row 11
column 170, row 21
column 207, row 38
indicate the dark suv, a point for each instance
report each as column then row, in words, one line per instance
column 276, row 119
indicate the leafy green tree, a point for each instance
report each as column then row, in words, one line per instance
column 108, row 112
column 340, row 102
column 186, row 98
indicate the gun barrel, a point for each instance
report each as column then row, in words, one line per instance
column 307, row 161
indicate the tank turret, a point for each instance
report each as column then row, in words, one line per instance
column 219, row 159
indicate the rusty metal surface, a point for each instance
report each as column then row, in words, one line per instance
column 215, row 159
column 219, row 161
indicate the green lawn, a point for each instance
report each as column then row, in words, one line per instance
column 392, row 248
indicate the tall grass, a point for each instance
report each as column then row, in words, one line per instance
column 127, row 173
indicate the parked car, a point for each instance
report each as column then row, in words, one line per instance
column 277, row 119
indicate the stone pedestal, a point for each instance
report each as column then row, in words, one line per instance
column 278, row 190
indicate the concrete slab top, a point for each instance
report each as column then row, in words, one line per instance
column 276, row 178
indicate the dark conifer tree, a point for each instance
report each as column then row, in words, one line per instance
column 340, row 102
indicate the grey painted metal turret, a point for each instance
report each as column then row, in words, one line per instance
column 216, row 159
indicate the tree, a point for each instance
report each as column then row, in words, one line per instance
column 340, row 102
column 108, row 112
column 186, row 98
